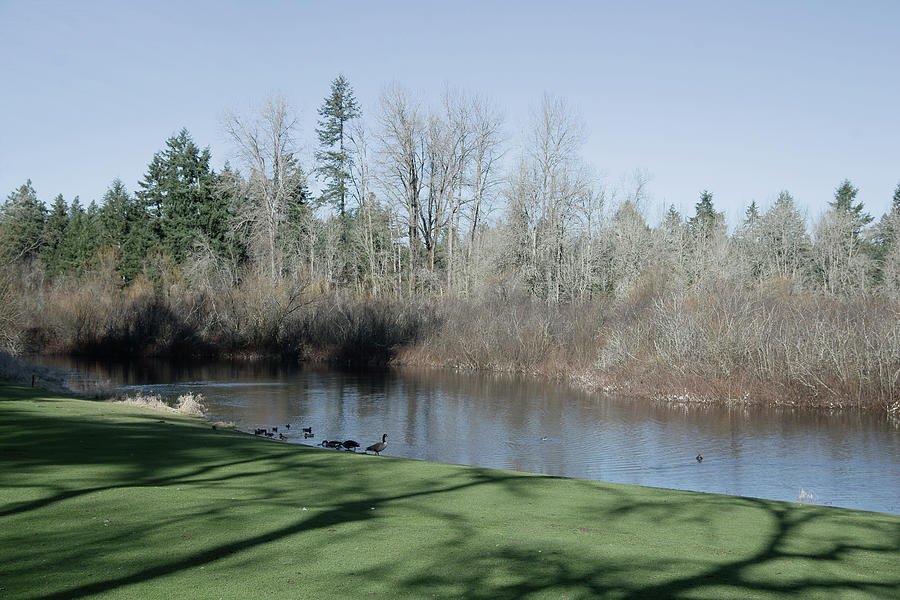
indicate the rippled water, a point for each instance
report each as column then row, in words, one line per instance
column 840, row 459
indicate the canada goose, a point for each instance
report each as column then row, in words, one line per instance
column 307, row 430
column 699, row 458
column 331, row 444
column 351, row 445
column 378, row 447
column 270, row 434
column 275, row 429
column 260, row 431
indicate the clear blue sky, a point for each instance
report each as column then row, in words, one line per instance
column 742, row 98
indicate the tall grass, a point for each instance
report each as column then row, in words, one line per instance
column 191, row 405
column 721, row 342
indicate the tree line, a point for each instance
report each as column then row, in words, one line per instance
column 419, row 203
column 409, row 203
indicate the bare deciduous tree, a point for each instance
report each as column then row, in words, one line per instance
column 402, row 163
column 266, row 145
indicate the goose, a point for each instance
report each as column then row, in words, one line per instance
column 699, row 458
column 351, row 445
column 332, row 444
column 378, row 447
column 306, row 436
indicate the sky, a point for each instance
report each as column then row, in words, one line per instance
column 744, row 99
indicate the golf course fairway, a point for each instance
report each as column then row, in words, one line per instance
column 101, row 500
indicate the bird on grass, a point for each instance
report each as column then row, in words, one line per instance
column 378, row 447
column 351, row 445
column 332, row 444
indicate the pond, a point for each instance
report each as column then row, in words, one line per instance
column 843, row 459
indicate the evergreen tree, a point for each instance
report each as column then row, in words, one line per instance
column 887, row 244
column 55, row 231
column 126, row 227
column 785, row 243
column 888, row 226
column 747, row 241
column 296, row 228
column 21, row 225
column 82, row 240
column 844, row 196
column 706, row 222
column 843, row 257
column 178, row 193
column 334, row 153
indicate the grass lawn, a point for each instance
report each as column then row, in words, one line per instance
column 108, row 501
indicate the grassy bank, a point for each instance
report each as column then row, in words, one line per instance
column 110, row 501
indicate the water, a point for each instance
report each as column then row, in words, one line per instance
column 840, row 459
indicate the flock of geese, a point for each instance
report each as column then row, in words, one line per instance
column 351, row 445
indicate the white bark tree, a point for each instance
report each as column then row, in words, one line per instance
column 265, row 144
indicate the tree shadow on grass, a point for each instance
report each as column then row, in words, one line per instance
column 421, row 529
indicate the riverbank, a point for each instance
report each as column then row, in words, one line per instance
column 106, row 500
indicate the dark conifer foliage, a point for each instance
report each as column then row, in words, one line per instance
column 334, row 156
column 126, row 227
column 21, row 225
column 55, row 234
column 706, row 221
column 178, row 193
column 844, row 197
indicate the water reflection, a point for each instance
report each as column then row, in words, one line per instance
column 844, row 459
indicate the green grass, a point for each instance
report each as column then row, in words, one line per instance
column 109, row 501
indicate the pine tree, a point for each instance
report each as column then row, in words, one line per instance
column 82, row 240
column 334, row 153
column 21, row 225
column 844, row 196
column 55, row 231
column 706, row 221
column 784, row 240
column 178, row 193
column 126, row 227
column 889, row 225
column 747, row 238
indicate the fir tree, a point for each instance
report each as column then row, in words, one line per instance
column 126, row 227
column 178, row 193
column 82, row 240
column 21, row 225
column 706, row 221
column 55, row 231
column 334, row 155
column 844, row 196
